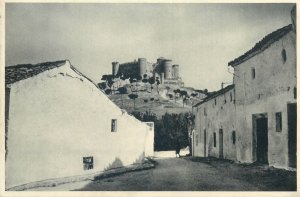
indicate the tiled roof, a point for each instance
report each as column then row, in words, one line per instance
column 24, row 71
column 215, row 94
column 262, row 45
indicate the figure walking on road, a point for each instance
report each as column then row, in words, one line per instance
column 177, row 148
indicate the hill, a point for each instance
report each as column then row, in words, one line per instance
column 159, row 100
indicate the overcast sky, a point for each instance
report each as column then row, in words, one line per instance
column 201, row 38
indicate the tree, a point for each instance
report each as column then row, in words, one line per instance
column 108, row 79
column 176, row 93
column 122, row 90
column 194, row 94
column 184, row 96
column 102, row 85
column 151, row 80
column 157, row 83
column 108, row 91
column 133, row 80
column 170, row 96
column 139, row 78
column 133, row 97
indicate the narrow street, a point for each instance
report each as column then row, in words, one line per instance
column 197, row 174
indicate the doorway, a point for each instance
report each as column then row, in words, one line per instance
column 221, row 143
column 260, row 127
column 292, row 134
column 204, row 143
column 193, row 146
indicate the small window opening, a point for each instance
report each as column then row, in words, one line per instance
column 196, row 139
column 215, row 139
column 278, row 122
column 205, row 112
column 230, row 96
column 253, row 73
column 114, row 125
column 283, row 55
column 233, row 137
column 215, row 101
column 88, row 163
column 295, row 92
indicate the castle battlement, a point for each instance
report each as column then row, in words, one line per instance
column 164, row 69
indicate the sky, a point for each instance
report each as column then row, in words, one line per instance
column 201, row 38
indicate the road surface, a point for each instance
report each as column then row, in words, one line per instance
column 190, row 174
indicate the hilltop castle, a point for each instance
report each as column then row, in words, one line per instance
column 163, row 69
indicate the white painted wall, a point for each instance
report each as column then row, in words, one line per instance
column 58, row 117
column 269, row 92
column 219, row 116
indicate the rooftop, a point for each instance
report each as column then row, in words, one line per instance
column 23, row 71
column 215, row 94
column 262, row 45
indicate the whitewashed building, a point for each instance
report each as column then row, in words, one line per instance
column 59, row 124
column 214, row 134
column 266, row 96
column 260, row 125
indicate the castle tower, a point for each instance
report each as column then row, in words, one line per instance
column 162, row 80
column 167, row 68
column 115, row 68
column 142, row 62
column 176, row 71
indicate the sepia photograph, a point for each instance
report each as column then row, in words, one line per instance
column 149, row 97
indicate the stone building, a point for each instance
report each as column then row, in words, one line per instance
column 214, row 134
column 261, row 123
column 55, row 126
column 164, row 69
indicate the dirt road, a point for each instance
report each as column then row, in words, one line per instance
column 192, row 174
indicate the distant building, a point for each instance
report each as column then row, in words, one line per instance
column 261, row 124
column 59, row 124
column 163, row 69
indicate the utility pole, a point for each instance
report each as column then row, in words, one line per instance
column 222, row 84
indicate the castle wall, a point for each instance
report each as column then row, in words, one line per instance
column 142, row 62
column 167, row 68
column 115, row 68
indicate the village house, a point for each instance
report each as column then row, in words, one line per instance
column 265, row 86
column 263, row 117
column 59, row 124
column 214, row 134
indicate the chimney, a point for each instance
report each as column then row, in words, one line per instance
column 293, row 17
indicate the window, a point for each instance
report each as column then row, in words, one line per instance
column 283, row 55
column 230, row 96
column 88, row 163
column 215, row 101
column 295, row 93
column 205, row 112
column 215, row 139
column 114, row 125
column 278, row 122
column 197, row 139
column 233, row 137
column 253, row 73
